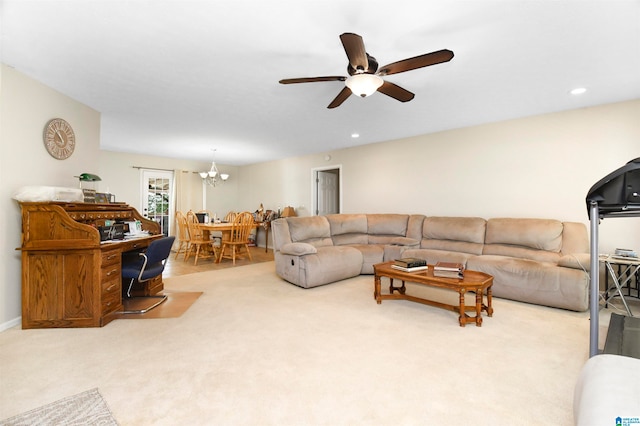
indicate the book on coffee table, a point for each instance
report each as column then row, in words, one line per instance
column 449, row 266
column 448, row 270
column 410, row 269
column 448, row 274
column 410, row 262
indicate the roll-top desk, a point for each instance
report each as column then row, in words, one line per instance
column 70, row 278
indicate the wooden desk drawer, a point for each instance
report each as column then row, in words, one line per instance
column 147, row 288
column 155, row 285
column 110, row 257
column 111, row 286
column 110, row 272
column 111, row 302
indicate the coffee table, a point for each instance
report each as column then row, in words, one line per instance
column 473, row 281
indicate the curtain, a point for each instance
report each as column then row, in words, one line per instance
column 187, row 191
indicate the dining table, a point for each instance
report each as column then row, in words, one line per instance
column 225, row 228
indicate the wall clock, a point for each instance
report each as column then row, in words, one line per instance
column 59, row 138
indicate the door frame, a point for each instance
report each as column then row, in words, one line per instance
column 145, row 173
column 314, row 187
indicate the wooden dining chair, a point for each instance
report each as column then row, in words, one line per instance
column 191, row 216
column 199, row 241
column 183, row 235
column 230, row 216
column 238, row 238
column 216, row 236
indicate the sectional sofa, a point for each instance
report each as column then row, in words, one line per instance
column 540, row 261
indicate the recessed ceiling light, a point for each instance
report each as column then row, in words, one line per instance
column 578, row 91
column 355, row 135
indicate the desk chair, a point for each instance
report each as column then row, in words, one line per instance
column 148, row 265
column 238, row 237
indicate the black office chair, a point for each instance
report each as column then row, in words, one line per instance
column 146, row 266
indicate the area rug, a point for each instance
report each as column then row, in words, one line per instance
column 86, row 408
column 176, row 304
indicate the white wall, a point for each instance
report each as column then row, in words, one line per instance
column 121, row 176
column 25, row 108
column 533, row 167
column 539, row 166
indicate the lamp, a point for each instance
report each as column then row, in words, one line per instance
column 213, row 176
column 88, row 177
column 288, row 212
column 364, row 84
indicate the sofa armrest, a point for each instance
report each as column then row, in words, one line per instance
column 576, row 261
column 298, row 249
column 404, row 241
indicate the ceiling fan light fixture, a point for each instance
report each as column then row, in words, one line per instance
column 364, row 84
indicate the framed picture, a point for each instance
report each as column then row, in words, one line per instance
column 101, row 197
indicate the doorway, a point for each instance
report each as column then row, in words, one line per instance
column 327, row 190
column 157, row 187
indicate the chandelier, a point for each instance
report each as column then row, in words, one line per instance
column 213, row 176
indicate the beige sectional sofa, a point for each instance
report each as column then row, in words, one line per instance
column 541, row 261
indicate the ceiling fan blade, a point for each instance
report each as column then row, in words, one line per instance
column 417, row 62
column 354, row 48
column 342, row 96
column 312, row 79
column 396, row 92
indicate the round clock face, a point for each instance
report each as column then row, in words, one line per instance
column 59, row 139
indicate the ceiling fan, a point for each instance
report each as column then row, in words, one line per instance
column 364, row 76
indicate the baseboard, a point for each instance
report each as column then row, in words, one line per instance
column 10, row 324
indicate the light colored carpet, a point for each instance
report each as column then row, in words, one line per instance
column 255, row 350
column 85, row 409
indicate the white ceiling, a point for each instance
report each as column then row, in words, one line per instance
column 180, row 78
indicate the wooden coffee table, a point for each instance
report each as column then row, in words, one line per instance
column 473, row 281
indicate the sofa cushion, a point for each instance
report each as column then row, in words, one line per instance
column 470, row 229
column 460, row 234
column 350, row 239
column 313, row 230
column 328, row 265
column 298, row 249
column 521, row 253
column 404, row 241
column 371, row 254
column 384, row 228
column 348, row 229
column 347, row 223
column 434, row 256
column 540, row 234
column 387, row 224
column 576, row 261
column 575, row 238
column 530, row 281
